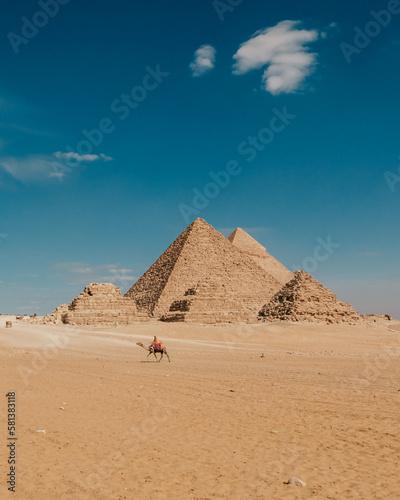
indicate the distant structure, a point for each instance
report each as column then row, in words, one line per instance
column 203, row 277
column 207, row 278
column 98, row 304
column 305, row 299
column 259, row 254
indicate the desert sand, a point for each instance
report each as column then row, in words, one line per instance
column 218, row 422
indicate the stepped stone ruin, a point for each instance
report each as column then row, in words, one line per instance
column 101, row 304
column 202, row 276
column 305, row 299
column 259, row 254
column 56, row 317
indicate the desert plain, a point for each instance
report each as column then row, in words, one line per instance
column 238, row 411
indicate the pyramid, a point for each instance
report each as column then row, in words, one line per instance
column 305, row 299
column 259, row 254
column 211, row 301
column 101, row 304
column 202, row 257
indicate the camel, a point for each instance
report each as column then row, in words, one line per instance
column 151, row 350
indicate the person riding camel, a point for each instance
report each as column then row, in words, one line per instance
column 155, row 341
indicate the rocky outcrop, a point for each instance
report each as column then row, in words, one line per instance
column 305, row 299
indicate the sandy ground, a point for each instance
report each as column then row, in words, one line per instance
column 218, row 422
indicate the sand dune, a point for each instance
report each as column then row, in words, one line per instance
column 218, row 422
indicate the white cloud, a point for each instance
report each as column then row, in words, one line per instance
column 283, row 48
column 30, row 168
column 38, row 168
column 204, row 60
column 79, row 158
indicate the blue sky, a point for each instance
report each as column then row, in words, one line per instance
column 115, row 116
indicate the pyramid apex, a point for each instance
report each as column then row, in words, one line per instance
column 245, row 242
column 239, row 230
column 259, row 254
column 200, row 223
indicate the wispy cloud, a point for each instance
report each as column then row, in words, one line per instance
column 21, row 117
column 79, row 158
column 332, row 27
column 36, row 168
column 204, row 60
column 82, row 273
column 29, row 168
column 28, row 130
column 284, row 49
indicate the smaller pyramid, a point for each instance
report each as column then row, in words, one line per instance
column 260, row 256
column 305, row 299
column 101, row 304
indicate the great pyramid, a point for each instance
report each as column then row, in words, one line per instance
column 101, row 304
column 259, row 254
column 211, row 301
column 305, row 299
column 203, row 265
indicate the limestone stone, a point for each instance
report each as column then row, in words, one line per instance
column 56, row 316
column 102, row 304
column 225, row 283
column 260, row 256
column 297, row 482
column 305, row 299
column 211, row 302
